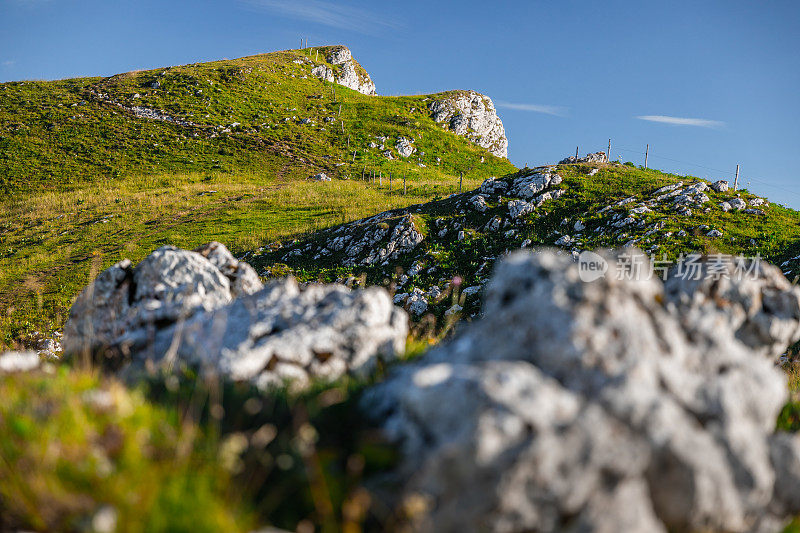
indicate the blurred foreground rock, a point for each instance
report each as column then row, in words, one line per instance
column 11, row 362
column 208, row 310
column 613, row 405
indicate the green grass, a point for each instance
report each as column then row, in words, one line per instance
column 74, row 444
column 183, row 453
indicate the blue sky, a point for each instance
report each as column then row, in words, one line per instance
column 708, row 84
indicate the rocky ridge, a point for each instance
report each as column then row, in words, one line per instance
column 420, row 252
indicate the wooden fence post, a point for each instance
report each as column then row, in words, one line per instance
column 608, row 152
column 380, row 178
column 736, row 180
column 646, row 151
column 460, row 179
column 576, row 154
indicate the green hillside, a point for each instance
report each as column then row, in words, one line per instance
column 613, row 204
column 87, row 179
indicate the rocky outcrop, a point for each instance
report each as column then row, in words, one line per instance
column 397, row 243
column 720, row 186
column 472, row 115
column 597, row 157
column 282, row 334
column 404, row 147
column 344, row 70
column 118, row 310
column 208, row 310
column 614, row 405
column 377, row 240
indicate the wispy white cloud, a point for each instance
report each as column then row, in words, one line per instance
column 325, row 13
column 554, row 110
column 679, row 121
column 8, row 63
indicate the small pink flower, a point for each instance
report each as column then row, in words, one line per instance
column 457, row 281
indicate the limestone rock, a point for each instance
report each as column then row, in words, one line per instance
column 720, row 186
column 520, row 208
column 597, row 157
column 208, row 310
column 529, row 185
column 339, row 55
column 344, row 71
column 404, row 147
column 243, row 278
column 493, row 225
column 612, row 405
column 737, row 203
column 478, row 203
column 417, row 302
column 11, row 362
column 493, row 186
column 284, row 334
column 472, row 115
column 757, row 304
column 115, row 311
column 375, row 240
column 667, row 189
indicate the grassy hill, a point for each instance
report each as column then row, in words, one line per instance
column 88, row 176
column 600, row 206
